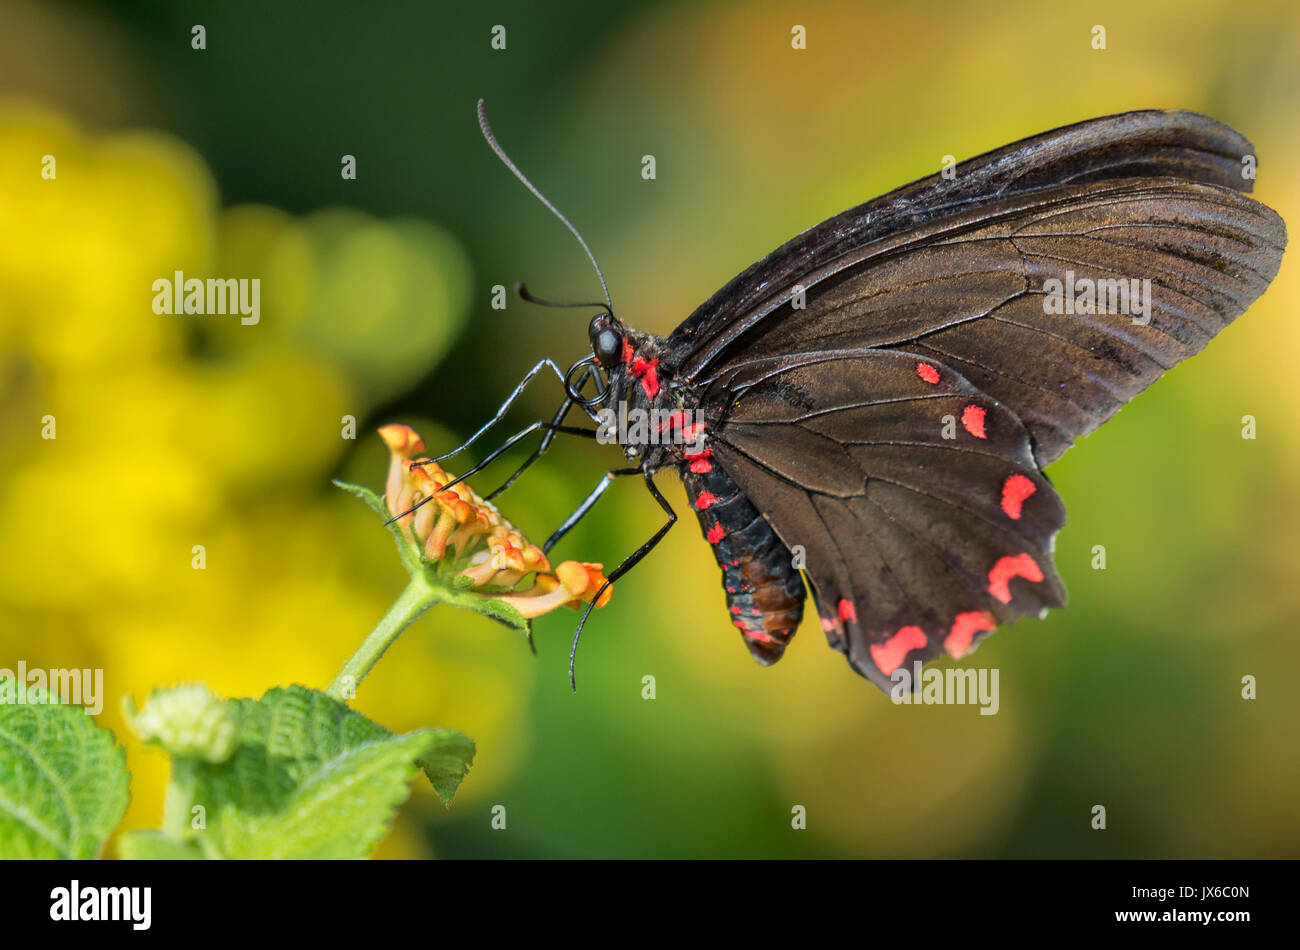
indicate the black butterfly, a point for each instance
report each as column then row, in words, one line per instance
column 874, row 402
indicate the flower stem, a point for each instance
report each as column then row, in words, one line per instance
column 418, row 597
column 180, row 797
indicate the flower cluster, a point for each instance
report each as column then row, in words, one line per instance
column 467, row 536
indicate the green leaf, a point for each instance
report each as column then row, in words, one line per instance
column 498, row 610
column 406, row 549
column 156, row 846
column 63, row 779
column 447, row 762
column 310, row 778
column 366, row 495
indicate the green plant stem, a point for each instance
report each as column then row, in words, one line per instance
column 179, row 802
column 418, row 597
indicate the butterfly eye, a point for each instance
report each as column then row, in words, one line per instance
column 606, row 346
column 606, row 342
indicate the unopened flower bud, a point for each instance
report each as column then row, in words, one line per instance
column 189, row 721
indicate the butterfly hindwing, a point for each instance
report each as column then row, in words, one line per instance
column 914, row 498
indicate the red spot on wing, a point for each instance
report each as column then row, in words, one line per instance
column 964, row 628
column 972, row 420
column 889, row 655
column 1001, row 573
column 716, row 533
column 704, row 499
column 1014, row 492
column 848, row 613
column 927, row 372
column 828, row 624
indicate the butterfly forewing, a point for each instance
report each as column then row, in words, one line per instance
column 1143, row 144
column 972, row 291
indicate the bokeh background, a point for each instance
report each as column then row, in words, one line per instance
column 179, row 431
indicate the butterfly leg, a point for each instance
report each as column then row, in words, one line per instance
column 629, row 562
column 556, row 420
column 581, row 511
column 505, row 406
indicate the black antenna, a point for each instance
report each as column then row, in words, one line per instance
column 501, row 154
column 526, row 294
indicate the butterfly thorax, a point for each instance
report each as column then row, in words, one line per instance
column 650, row 414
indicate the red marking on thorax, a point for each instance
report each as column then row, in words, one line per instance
column 704, row 499
column 828, row 624
column 1001, row 573
column 889, row 655
column 964, row 627
column 927, row 373
column 692, row 432
column 972, row 419
column 688, row 434
column 700, row 463
column 716, row 533
column 676, row 419
column 643, row 369
column 1014, row 492
column 648, row 372
column 848, row 613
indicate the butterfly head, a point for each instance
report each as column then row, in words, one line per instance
column 608, row 346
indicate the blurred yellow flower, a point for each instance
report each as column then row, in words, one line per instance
column 212, row 545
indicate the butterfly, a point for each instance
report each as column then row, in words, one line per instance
column 867, row 412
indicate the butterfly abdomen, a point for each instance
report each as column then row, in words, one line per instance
column 765, row 592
